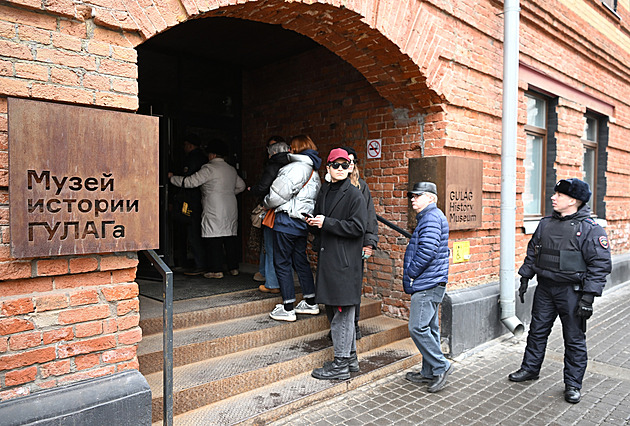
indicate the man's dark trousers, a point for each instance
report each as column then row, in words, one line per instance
column 550, row 301
column 195, row 241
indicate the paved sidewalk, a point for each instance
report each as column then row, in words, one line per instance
column 479, row 393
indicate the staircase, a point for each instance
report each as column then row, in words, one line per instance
column 235, row 365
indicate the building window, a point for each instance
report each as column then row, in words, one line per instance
column 589, row 164
column 611, row 4
column 535, row 155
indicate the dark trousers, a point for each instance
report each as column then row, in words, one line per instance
column 289, row 252
column 195, row 242
column 549, row 302
column 189, row 241
column 216, row 256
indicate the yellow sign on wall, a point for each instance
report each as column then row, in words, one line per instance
column 461, row 251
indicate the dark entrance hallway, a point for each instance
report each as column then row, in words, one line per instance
column 192, row 78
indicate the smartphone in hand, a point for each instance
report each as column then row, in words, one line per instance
column 307, row 215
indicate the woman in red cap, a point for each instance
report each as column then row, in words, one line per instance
column 339, row 226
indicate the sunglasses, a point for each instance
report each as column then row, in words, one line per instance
column 335, row 166
column 412, row 196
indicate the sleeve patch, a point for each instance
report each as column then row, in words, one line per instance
column 603, row 241
column 590, row 220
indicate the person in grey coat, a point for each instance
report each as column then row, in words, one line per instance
column 339, row 226
column 219, row 184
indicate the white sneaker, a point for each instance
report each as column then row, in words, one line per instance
column 305, row 308
column 280, row 314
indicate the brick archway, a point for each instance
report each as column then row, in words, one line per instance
column 343, row 31
column 355, row 32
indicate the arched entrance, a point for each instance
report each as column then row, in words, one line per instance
column 242, row 80
column 245, row 72
column 192, row 76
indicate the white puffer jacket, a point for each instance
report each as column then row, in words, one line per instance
column 288, row 192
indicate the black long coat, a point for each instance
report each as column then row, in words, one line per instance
column 339, row 243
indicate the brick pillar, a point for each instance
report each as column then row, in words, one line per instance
column 72, row 318
column 570, row 153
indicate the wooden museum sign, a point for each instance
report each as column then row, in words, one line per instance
column 81, row 180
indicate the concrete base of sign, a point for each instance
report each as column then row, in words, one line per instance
column 471, row 317
column 120, row 399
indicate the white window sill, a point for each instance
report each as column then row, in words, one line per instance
column 530, row 225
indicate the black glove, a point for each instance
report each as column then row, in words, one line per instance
column 585, row 306
column 523, row 289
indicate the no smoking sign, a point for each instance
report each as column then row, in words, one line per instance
column 374, row 148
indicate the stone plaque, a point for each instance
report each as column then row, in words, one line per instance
column 81, row 180
column 459, row 184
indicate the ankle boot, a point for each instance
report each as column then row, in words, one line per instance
column 338, row 369
column 353, row 362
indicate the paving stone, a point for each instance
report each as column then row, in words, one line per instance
column 479, row 393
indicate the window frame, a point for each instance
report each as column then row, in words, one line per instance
column 610, row 4
column 611, row 7
column 586, row 143
column 542, row 133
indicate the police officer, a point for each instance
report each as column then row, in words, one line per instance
column 569, row 253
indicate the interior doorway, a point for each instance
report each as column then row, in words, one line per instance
column 191, row 76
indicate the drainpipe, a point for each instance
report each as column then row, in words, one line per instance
column 511, row 10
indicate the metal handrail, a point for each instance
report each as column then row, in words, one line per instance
column 167, row 335
column 394, row 227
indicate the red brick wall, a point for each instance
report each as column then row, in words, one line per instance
column 423, row 76
column 326, row 98
column 65, row 319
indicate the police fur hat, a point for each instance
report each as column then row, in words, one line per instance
column 574, row 188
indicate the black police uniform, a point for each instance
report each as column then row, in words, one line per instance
column 570, row 256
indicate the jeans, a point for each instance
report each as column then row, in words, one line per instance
column 261, row 259
column 271, row 280
column 342, row 330
column 549, row 302
column 424, row 328
column 289, row 252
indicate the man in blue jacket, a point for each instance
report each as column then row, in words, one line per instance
column 425, row 276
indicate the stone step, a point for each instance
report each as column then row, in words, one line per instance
column 209, row 381
column 280, row 398
column 215, row 339
column 194, row 312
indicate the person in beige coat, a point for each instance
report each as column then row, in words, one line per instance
column 219, row 183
